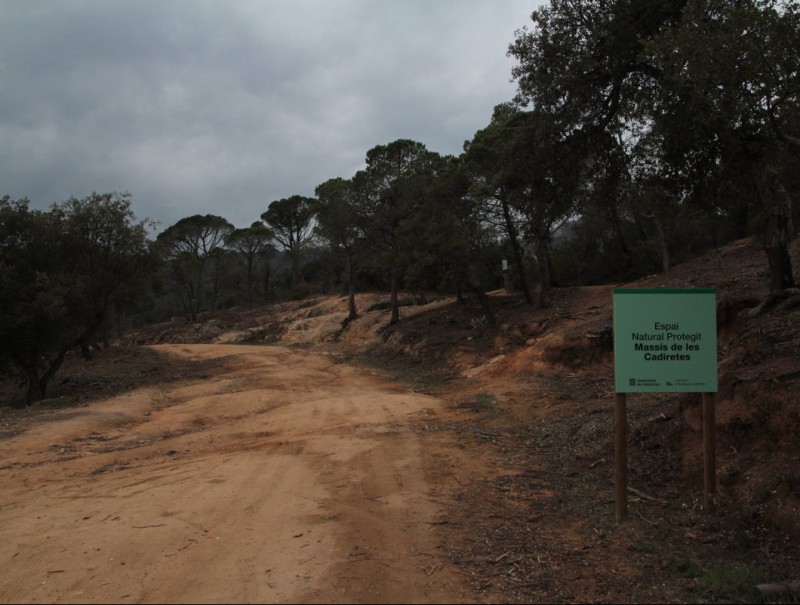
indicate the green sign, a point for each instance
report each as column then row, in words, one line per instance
column 665, row 341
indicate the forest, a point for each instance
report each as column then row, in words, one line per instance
column 642, row 134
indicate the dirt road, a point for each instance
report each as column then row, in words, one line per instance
column 280, row 476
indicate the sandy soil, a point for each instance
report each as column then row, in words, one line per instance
column 281, row 476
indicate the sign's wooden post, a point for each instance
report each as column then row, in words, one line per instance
column 665, row 341
column 621, row 456
column 709, row 455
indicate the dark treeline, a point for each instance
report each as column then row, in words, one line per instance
column 641, row 135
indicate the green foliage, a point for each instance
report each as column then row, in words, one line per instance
column 253, row 246
column 735, row 67
column 291, row 220
column 536, row 176
column 642, row 133
column 64, row 274
column 393, row 189
column 198, row 235
column 342, row 221
column 188, row 247
column 448, row 234
column 484, row 161
column 694, row 92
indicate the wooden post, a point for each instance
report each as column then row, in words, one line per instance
column 709, row 454
column 621, row 456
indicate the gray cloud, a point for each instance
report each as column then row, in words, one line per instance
column 222, row 107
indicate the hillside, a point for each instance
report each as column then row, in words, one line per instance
column 533, row 400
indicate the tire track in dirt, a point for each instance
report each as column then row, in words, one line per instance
column 286, row 478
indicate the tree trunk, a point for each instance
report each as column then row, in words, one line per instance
column 662, row 243
column 215, row 284
column 200, row 286
column 780, row 263
column 31, row 372
column 267, row 271
column 37, row 383
column 351, row 293
column 51, row 370
column 543, row 254
column 295, row 258
column 250, row 279
column 35, row 387
column 483, row 299
column 517, row 249
column 186, row 296
column 777, row 233
column 393, row 297
column 612, row 193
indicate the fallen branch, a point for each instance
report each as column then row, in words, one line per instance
column 148, row 526
column 646, row 520
column 788, row 591
column 644, row 496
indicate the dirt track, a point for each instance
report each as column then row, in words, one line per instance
column 281, row 477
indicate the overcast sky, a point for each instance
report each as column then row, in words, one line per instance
column 200, row 107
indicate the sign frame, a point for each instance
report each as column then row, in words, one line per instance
column 676, row 333
column 665, row 340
